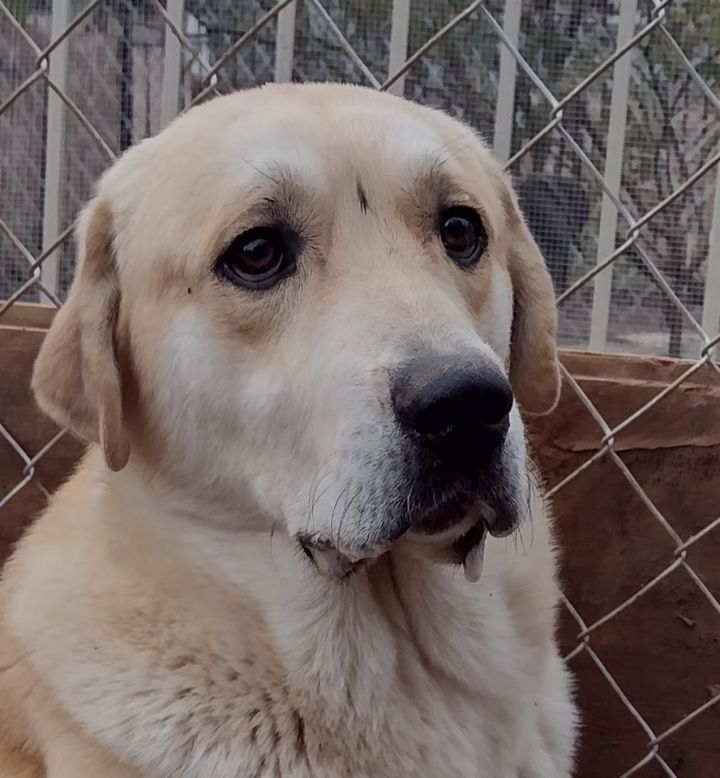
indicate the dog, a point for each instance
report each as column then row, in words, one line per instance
column 306, row 538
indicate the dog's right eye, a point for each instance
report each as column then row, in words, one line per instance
column 463, row 235
column 258, row 258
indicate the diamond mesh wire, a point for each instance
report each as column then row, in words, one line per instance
column 81, row 81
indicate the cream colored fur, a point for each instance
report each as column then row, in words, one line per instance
column 159, row 620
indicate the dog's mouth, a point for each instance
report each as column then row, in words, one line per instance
column 453, row 531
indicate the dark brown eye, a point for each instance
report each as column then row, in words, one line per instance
column 257, row 259
column 463, row 235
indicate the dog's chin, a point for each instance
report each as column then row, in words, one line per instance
column 459, row 538
column 452, row 533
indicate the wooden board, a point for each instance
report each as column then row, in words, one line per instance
column 662, row 650
column 22, row 329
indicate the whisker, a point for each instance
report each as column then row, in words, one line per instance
column 341, row 494
column 358, row 491
column 324, row 471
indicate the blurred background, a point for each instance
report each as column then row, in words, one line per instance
column 646, row 138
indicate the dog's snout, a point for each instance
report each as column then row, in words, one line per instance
column 459, row 407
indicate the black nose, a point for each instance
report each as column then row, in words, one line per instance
column 458, row 406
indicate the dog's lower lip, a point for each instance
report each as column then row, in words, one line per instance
column 499, row 524
column 460, row 512
column 442, row 516
column 328, row 561
column 463, row 528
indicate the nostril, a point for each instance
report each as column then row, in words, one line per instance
column 495, row 401
column 425, row 399
column 434, row 415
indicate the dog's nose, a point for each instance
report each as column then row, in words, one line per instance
column 457, row 406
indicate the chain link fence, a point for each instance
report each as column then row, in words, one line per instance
column 607, row 113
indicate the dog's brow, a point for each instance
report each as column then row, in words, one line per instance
column 270, row 171
column 279, row 190
column 431, row 180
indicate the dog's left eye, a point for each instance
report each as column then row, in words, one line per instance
column 258, row 258
column 463, row 235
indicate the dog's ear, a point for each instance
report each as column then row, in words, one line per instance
column 534, row 371
column 76, row 378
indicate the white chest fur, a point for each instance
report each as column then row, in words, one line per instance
column 219, row 656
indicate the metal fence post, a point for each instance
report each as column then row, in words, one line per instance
column 285, row 43
column 398, row 43
column 170, row 95
column 711, row 301
column 505, row 108
column 55, row 143
column 602, row 284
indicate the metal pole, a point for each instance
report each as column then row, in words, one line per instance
column 711, row 302
column 505, row 108
column 171, row 65
column 398, row 43
column 613, row 175
column 54, row 144
column 125, row 53
column 285, row 43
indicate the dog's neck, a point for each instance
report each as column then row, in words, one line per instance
column 346, row 638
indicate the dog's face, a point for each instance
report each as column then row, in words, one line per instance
column 317, row 307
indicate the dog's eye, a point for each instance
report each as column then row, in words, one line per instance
column 463, row 235
column 257, row 259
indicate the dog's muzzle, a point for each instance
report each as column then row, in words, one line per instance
column 453, row 415
column 455, row 411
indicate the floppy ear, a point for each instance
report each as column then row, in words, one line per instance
column 534, row 372
column 76, row 379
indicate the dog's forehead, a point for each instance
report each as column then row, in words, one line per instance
column 320, row 132
column 317, row 130
column 350, row 137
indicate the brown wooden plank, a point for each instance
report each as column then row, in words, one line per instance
column 31, row 430
column 28, row 315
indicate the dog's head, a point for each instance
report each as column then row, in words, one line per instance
column 314, row 306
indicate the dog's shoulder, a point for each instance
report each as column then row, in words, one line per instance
column 155, row 660
column 19, row 757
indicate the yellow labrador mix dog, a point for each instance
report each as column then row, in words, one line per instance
column 306, row 540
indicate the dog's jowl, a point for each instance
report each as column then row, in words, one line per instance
column 306, row 539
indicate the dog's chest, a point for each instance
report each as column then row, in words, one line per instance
column 203, row 688
column 262, row 727
column 221, row 713
column 428, row 738
column 218, row 707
